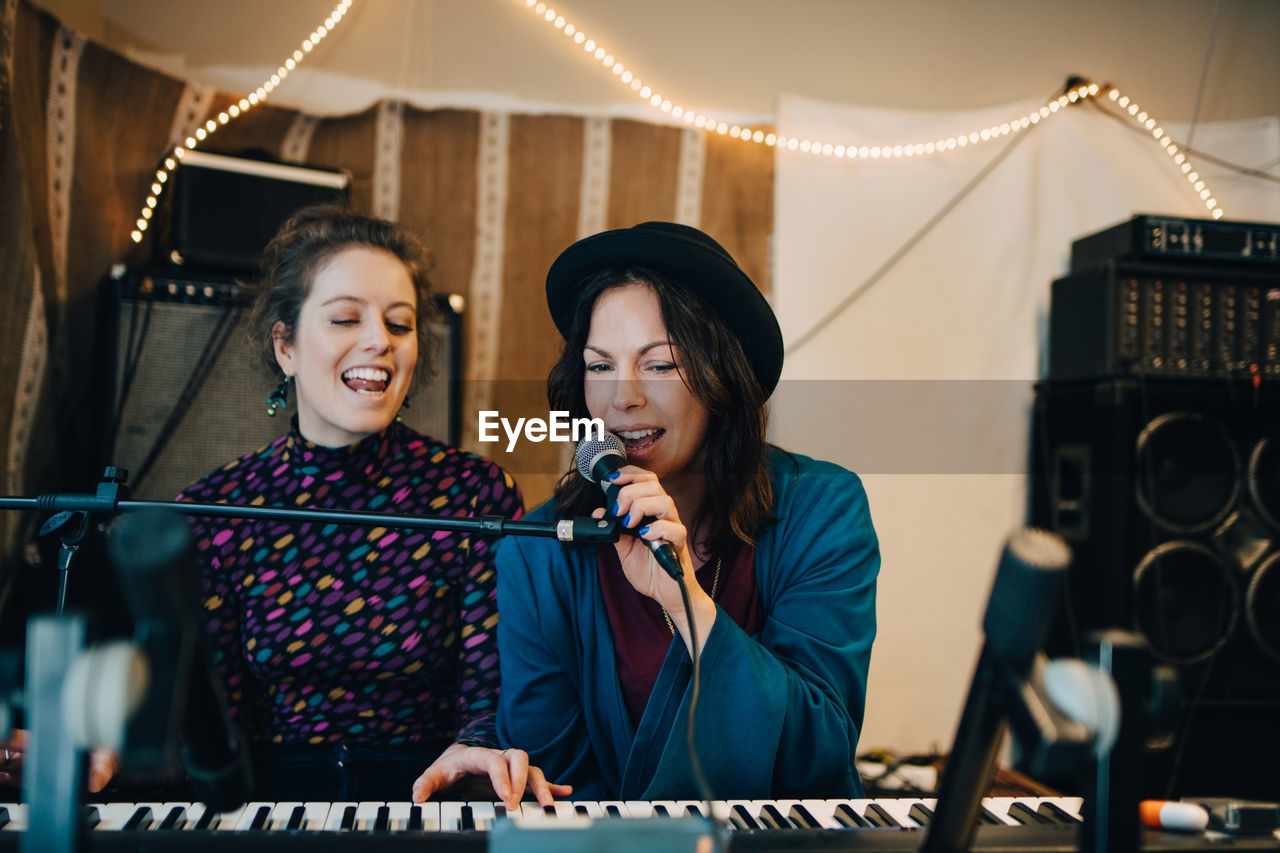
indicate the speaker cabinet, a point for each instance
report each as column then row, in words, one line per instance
column 1169, row 493
column 225, row 208
column 183, row 392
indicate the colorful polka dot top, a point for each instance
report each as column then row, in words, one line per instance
column 364, row 635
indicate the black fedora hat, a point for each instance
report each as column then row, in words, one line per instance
column 688, row 256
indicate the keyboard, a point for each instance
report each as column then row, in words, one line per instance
column 1005, row 823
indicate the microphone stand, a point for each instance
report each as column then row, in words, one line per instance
column 107, row 501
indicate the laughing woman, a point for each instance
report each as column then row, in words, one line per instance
column 362, row 663
column 670, row 343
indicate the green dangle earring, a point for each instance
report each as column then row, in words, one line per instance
column 279, row 398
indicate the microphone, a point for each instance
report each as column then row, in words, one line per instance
column 154, row 555
column 597, row 460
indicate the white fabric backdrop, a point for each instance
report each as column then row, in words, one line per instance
column 924, row 383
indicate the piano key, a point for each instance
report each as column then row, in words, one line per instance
column 485, row 813
column 740, row 817
column 638, row 809
column 920, row 813
column 114, row 815
column 612, row 808
column 367, row 815
column 174, row 818
column 341, row 817
column 772, row 818
column 1056, row 813
column 257, row 816
column 450, row 816
column 409, row 816
column 199, row 816
column 141, row 819
column 296, row 819
column 876, row 813
column 4, row 817
column 802, row 818
column 1026, row 814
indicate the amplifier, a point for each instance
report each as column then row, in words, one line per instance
column 226, row 209
column 1151, row 237
column 1123, row 318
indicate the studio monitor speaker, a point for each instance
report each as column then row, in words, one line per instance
column 1168, row 491
column 182, row 391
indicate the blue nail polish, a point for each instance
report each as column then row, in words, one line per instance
column 615, row 508
column 614, row 475
column 643, row 530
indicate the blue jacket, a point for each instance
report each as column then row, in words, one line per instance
column 778, row 713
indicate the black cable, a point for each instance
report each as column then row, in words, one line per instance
column 910, row 244
column 1204, row 72
column 704, row 788
column 1199, row 154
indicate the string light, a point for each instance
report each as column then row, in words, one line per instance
column 1075, row 95
column 233, row 112
column 1158, row 133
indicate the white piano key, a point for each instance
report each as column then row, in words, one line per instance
column 619, row 805
column 17, row 817
column 450, row 816
column 333, row 820
column 639, row 808
column 250, row 814
column 484, row 814
column 367, row 815
column 400, row 812
column 113, row 815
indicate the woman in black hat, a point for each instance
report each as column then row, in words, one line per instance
column 673, row 347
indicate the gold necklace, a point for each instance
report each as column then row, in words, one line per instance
column 715, row 584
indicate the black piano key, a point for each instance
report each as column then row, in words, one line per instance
column 381, row 820
column 1056, row 813
column 879, row 817
column 466, row 819
column 208, row 820
column 92, row 817
column 415, row 818
column 1024, row 814
column 499, row 810
column 4, row 817
column 659, row 810
column 348, row 821
column 986, row 818
column 297, row 818
column 581, row 811
column 742, row 819
column 140, row 819
column 846, row 816
column 693, row 811
column 772, row 818
column 174, row 818
column 261, row 818
column 920, row 813
column 612, row 811
column 549, row 811
column 802, row 817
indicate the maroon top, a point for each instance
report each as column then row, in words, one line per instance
column 641, row 635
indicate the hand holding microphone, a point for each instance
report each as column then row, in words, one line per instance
column 599, row 461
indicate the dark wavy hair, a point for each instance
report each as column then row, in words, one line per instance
column 305, row 242
column 739, row 492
